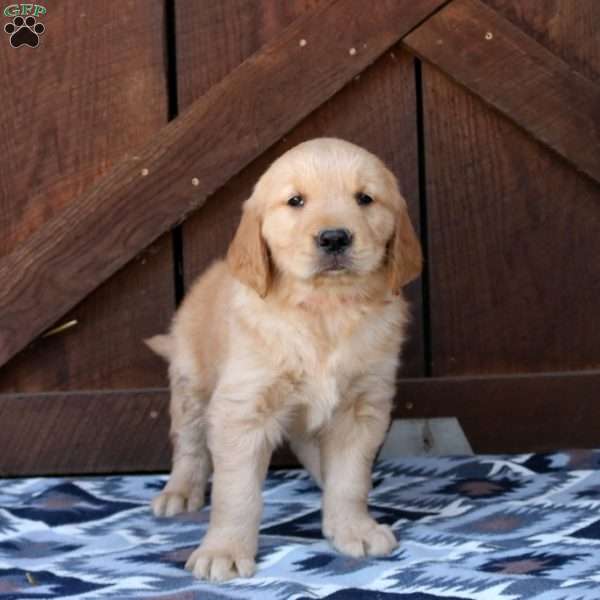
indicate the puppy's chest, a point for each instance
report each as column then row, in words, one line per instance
column 317, row 390
column 322, row 365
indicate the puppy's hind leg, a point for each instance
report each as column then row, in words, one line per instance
column 191, row 459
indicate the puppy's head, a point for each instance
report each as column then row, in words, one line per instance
column 325, row 208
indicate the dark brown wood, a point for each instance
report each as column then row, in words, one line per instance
column 190, row 158
column 527, row 413
column 215, row 37
column 516, row 75
column 71, row 109
column 90, row 432
column 212, row 40
column 569, row 29
column 127, row 431
column 84, row 432
column 514, row 250
column 104, row 350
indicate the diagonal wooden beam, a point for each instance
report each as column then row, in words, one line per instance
column 189, row 159
column 484, row 52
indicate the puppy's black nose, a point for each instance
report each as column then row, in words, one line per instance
column 334, row 241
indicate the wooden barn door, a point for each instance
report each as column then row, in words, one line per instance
column 94, row 90
column 513, row 229
column 486, row 111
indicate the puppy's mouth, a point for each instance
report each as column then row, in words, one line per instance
column 333, row 264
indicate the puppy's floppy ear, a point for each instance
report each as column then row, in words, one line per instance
column 405, row 258
column 248, row 255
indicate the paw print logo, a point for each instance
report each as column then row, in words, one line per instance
column 24, row 32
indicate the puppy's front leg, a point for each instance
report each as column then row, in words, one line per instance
column 348, row 447
column 241, row 450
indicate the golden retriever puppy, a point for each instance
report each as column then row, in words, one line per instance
column 295, row 335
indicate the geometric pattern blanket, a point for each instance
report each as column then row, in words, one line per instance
column 471, row 527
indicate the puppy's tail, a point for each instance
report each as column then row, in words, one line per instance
column 162, row 345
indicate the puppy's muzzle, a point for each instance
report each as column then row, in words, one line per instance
column 333, row 241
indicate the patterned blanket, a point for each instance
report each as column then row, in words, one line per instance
column 484, row 527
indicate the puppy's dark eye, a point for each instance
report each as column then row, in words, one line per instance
column 363, row 199
column 296, row 201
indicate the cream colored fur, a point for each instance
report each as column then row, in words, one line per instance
column 267, row 345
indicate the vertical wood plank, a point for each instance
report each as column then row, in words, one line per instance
column 215, row 36
column 377, row 110
column 520, row 78
column 93, row 90
column 514, row 244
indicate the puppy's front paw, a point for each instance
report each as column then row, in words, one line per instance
column 219, row 564
column 169, row 504
column 361, row 536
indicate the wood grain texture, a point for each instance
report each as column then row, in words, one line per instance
column 514, row 250
column 526, row 413
column 127, row 431
column 381, row 102
column 116, row 431
column 104, row 350
column 483, row 51
column 569, row 28
column 84, row 432
column 221, row 133
column 72, row 108
column 215, row 36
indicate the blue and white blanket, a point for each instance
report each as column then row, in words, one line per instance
column 484, row 527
